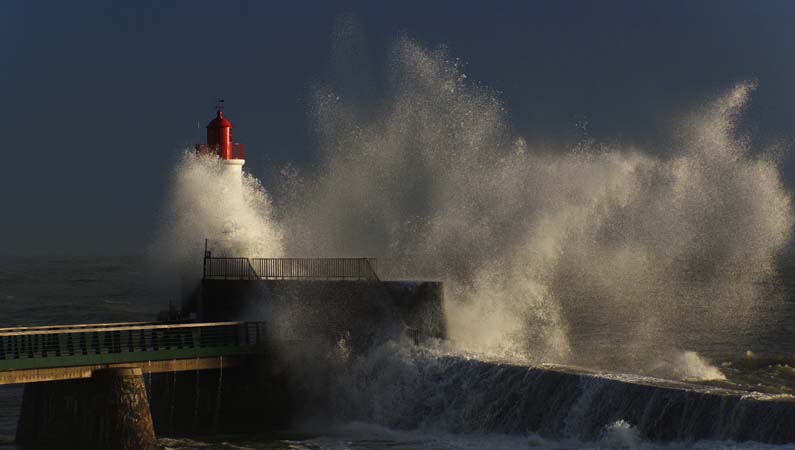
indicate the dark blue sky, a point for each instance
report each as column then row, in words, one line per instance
column 100, row 96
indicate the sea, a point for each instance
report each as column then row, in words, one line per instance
column 63, row 290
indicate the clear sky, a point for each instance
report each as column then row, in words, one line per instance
column 100, row 96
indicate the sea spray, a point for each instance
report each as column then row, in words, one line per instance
column 691, row 366
column 620, row 434
column 532, row 242
column 208, row 202
column 542, row 247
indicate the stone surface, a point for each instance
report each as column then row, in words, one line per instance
column 108, row 411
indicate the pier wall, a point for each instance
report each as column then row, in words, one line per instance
column 235, row 400
column 560, row 403
column 299, row 314
column 301, row 309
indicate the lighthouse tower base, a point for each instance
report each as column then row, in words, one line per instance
column 234, row 168
column 233, row 179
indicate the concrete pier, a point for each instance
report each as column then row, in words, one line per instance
column 110, row 410
column 319, row 309
column 251, row 399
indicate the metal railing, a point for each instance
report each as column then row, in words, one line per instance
column 229, row 268
column 84, row 344
column 315, row 268
column 236, row 150
column 290, row 268
column 16, row 330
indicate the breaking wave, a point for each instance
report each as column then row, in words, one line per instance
column 600, row 255
column 537, row 244
column 603, row 256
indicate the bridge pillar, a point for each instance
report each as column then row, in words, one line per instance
column 108, row 411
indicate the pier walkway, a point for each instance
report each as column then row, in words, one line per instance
column 63, row 352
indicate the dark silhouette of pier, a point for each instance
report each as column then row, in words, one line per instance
column 84, row 383
column 64, row 352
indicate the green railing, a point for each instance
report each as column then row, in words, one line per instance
column 77, row 345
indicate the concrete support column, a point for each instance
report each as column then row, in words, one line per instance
column 108, row 411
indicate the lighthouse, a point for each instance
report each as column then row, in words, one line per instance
column 219, row 142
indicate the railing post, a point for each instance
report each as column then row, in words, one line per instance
column 70, row 345
column 58, row 341
column 82, row 344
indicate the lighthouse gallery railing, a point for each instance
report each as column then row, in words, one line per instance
column 226, row 268
column 236, row 150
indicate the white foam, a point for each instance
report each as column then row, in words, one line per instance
column 690, row 366
column 208, row 201
column 531, row 239
column 620, row 434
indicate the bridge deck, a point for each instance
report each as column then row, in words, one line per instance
column 48, row 353
column 76, row 372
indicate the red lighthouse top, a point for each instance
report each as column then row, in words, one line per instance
column 219, row 137
column 219, row 121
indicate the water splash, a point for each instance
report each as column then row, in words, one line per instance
column 620, row 434
column 691, row 366
column 600, row 255
column 206, row 201
column 538, row 244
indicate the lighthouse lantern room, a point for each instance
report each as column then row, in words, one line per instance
column 219, row 140
column 219, row 143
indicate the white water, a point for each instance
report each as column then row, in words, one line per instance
column 207, row 201
column 528, row 239
column 690, row 366
column 620, row 434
